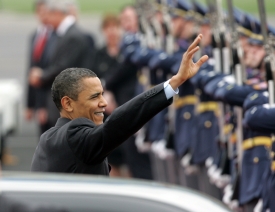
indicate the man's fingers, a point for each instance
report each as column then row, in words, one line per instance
column 195, row 43
column 192, row 52
column 202, row 60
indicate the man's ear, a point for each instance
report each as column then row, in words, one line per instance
column 66, row 103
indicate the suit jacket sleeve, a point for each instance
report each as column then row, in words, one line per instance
column 92, row 144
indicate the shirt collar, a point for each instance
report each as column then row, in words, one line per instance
column 65, row 25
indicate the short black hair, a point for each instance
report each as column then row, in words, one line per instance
column 68, row 83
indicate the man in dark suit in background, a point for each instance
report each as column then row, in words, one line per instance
column 71, row 50
column 80, row 141
column 41, row 46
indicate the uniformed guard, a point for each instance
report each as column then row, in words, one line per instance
column 156, row 129
column 256, row 162
column 183, row 33
column 185, row 128
column 197, row 129
column 205, row 144
column 254, row 141
column 259, row 117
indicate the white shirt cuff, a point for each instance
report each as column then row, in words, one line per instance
column 169, row 91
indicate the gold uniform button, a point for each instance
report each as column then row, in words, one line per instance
column 186, row 115
column 207, row 124
column 256, row 160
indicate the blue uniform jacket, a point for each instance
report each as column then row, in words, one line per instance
column 205, row 145
column 256, row 161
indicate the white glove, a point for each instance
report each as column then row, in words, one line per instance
column 154, row 147
column 185, row 161
column 234, row 205
column 223, row 181
column 209, row 162
column 188, row 168
column 163, row 152
column 159, row 148
column 259, row 206
column 191, row 170
column 141, row 145
column 211, row 171
column 228, row 192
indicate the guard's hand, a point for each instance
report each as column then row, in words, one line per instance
column 188, row 68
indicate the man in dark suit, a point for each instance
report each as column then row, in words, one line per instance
column 40, row 50
column 80, row 141
column 71, row 50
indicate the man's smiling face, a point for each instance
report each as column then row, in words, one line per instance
column 90, row 102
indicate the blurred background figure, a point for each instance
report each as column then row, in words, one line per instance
column 123, row 83
column 106, row 58
column 74, row 11
column 129, row 19
column 71, row 50
column 105, row 63
column 38, row 56
column 40, row 49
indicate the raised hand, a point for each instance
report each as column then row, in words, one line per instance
column 188, row 68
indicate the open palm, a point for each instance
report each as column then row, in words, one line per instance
column 188, row 68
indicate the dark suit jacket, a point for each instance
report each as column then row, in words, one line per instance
column 79, row 146
column 71, row 50
column 36, row 96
